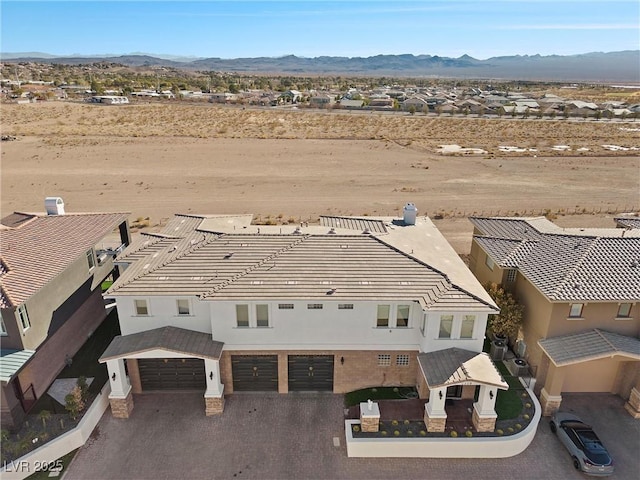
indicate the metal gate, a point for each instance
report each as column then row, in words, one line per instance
column 255, row 373
column 172, row 374
column 311, row 373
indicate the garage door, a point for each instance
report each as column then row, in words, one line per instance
column 255, row 373
column 172, row 374
column 311, row 373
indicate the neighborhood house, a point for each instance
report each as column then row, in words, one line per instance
column 580, row 288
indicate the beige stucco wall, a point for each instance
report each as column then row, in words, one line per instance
column 478, row 266
column 594, row 315
column 593, row 376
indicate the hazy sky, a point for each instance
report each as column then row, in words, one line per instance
column 231, row 29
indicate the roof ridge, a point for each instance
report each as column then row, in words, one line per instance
column 220, row 286
column 601, row 334
column 576, row 265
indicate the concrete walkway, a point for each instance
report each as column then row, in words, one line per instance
column 271, row 436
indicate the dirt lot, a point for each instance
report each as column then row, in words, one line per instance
column 156, row 160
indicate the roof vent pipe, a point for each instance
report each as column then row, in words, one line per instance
column 54, row 206
column 409, row 214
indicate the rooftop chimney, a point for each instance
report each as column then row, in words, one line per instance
column 409, row 214
column 54, row 206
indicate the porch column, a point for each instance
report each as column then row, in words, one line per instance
column 121, row 397
column 214, row 394
column 550, row 396
column 633, row 404
column 435, row 415
column 484, row 413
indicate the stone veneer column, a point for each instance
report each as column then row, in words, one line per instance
column 484, row 413
column 550, row 403
column 633, row 405
column 369, row 416
column 213, row 405
column 483, row 423
column 121, row 407
column 435, row 415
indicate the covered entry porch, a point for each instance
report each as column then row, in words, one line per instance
column 167, row 358
column 455, row 369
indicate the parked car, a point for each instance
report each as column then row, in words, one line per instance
column 584, row 446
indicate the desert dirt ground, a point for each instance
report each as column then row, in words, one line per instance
column 284, row 165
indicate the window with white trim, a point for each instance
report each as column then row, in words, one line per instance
column 3, row 329
column 242, row 316
column 314, row 306
column 345, row 306
column 23, row 317
column 262, row 315
column 285, row 306
column 91, row 260
column 402, row 360
column 382, row 319
column 446, row 324
column 384, row 360
column 511, row 275
column 183, row 306
column 489, row 262
column 402, row 316
column 468, row 322
column 624, row 310
column 575, row 310
column 141, row 306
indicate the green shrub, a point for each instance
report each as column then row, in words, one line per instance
column 468, row 433
column 454, row 434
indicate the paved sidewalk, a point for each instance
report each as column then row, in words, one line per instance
column 271, row 436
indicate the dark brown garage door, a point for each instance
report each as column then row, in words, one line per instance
column 255, row 373
column 172, row 374
column 311, row 373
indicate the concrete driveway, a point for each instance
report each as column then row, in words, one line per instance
column 271, row 436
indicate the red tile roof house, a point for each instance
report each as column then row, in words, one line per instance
column 219, row 305
column 51, row 269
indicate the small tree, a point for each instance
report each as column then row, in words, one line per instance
column 509, row 320
column 74, row 403
column 44, row 415
column 412, row 109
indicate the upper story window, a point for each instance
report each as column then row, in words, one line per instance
column 91, row 259
column 489, row 263
column 3, row 329
column 382, row 320
column 184, row 308
column 468, row 322
column 262, row 315
column 624, row 310
column 242, row 315
column 402, row 317
column 575, row 310
column 142, row 307
column 446, row 324
column 23, row 317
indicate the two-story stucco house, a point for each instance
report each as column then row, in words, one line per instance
column 218, row 304
column 581, row 292
column 51, row 268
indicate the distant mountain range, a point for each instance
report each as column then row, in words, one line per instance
column 608, row 67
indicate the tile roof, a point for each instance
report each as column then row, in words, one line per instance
column 294, row 265
column 354, row 223
column 455, row 366
column 568, row 267
column 589, row 345
column 11, row 361
column 173, row 339
column 628, row 222
column 36, row 251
